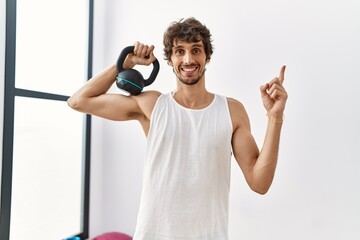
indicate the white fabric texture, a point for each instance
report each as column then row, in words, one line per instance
column 186, row 180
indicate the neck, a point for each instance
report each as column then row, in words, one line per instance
column 193, row 96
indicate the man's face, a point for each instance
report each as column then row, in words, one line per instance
column 188, row 60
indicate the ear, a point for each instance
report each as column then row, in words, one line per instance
column 208, row 60
column 169, row 62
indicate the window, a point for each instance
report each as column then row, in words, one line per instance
column 45, row 170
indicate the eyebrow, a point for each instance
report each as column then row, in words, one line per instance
column 195, row 45
column 198, row 45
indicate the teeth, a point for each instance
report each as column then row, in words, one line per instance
column 187, row 69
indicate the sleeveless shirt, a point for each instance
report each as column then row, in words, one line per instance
column 186, row 178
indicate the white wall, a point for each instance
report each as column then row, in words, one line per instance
column 316, row 190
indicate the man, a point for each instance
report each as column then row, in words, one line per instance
column 191, row 134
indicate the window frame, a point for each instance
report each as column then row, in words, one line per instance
column 10, row 92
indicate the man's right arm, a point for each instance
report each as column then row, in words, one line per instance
column 92, row 98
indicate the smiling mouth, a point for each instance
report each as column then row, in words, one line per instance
column 189, row 69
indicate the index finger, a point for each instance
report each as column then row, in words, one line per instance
column 282, row 74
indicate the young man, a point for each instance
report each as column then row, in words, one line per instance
column 191, row 135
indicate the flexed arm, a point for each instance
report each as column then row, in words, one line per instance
column 259, row 167
column 92, row 98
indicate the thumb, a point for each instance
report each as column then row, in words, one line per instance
column 152, row 57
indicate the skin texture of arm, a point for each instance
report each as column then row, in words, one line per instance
column 257, row 166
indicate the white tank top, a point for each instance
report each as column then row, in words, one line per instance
column 186, row 173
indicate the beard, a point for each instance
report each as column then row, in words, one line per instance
column 191, row 81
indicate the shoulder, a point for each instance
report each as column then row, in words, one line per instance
column 238, row 114
column 235, row 105
column 146, row 101
column 148, row 96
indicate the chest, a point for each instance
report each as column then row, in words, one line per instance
column 205, row 129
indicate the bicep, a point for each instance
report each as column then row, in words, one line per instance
column 244, row 146
column 245, row 150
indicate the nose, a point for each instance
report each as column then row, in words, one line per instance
column 187, row 58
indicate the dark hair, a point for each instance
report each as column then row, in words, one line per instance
column 189, row 30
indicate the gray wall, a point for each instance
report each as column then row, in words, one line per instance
column 2, row 73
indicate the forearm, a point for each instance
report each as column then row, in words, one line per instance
column 264, row 168
column 96, row 86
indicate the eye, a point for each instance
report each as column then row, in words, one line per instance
column 196, row 51
column 179, row 51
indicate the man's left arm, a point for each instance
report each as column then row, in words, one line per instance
column 259, row 167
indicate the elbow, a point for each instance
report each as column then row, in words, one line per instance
column 261, row 189
column 71, row 102
column 74, row 103
column 260, row 183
